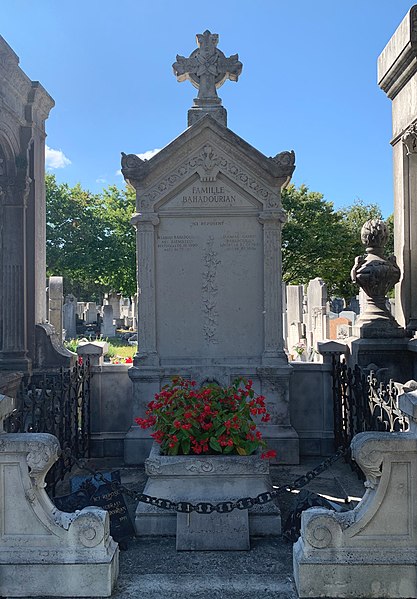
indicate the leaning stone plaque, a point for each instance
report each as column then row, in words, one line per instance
column 208, row 221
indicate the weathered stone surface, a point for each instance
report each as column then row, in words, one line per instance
column 94, row 350
column 25, row 108
column 108, row 329
column 207, row 479
column 397, row 77
column 44, row 551
column 55, row 304
column 69, row 311
column 376, row 275
column 370, row 551
column 207, row 69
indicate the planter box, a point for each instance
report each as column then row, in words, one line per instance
column 211, row 479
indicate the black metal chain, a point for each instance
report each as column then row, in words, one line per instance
column 207, row 508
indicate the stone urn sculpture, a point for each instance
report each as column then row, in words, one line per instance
column 376, row 275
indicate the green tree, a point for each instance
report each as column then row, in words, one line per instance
column 321, row 242
column 90, row 241
column 313, row 239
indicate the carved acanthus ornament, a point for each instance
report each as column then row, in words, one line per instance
column 409, row 140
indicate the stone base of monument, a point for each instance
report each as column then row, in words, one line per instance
column 43, row 551
column 370, row 551
column 394, row 355
column 208, row 479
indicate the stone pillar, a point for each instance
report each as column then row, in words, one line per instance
column 13, row 323
column 69, row 312
column 94, row 350
column 56, row 301
column 145, row 227
column 273, row 338
column 397, row 77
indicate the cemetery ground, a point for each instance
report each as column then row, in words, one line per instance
column 153, row 568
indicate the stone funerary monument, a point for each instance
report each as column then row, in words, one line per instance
column 208, row 222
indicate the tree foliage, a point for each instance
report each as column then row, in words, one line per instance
column 321, row 242
column 90, row 241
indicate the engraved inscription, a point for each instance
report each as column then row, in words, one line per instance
column 209, row 194
column 173, row 243
column 239, row 241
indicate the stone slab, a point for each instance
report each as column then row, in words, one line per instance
column 213, row 532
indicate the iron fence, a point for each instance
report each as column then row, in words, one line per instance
column 363, row 401
column 56, row 402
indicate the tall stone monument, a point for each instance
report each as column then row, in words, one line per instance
column 25, row 108
column 397, row 77
column 208, row 223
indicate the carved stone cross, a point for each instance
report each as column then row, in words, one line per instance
column 207, row 68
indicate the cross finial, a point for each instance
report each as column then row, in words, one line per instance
column 207, row 68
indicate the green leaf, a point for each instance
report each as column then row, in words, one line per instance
column 215, row 445
column 186, row 445
column 241, row 451
column 228, row 449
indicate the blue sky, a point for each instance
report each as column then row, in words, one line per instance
column 308, row 83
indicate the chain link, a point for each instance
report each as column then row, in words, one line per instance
column 207, row 508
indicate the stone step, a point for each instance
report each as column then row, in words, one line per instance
column 180, row 586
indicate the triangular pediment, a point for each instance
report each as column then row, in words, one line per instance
column 210, row 154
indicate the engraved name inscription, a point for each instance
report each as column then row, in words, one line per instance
column 239, row 241
column 209, row 194
column 169, row 243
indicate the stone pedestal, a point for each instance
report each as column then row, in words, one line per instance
column 370, row 551
column 209, row 479
column 45, row 552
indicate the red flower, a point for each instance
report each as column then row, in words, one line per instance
column 269, row 455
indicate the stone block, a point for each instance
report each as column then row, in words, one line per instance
column 209, row 479
column 211, row 532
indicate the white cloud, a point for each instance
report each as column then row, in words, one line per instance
column 55, row 158
column 101, row 180
column 144, row 156
column 148, row 154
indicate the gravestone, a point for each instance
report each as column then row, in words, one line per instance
column 317, row 321
column 69, row 312
column 108, row 329
column 90, row 313
column 334, row 325
column 295, row 326
column 208, row 221
column 56, row 301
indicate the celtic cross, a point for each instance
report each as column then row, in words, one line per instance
column 207, row 68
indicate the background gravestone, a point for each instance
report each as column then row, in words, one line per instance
column 69, row 312
column 208, row 222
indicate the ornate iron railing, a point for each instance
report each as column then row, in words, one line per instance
column 363, row 402
column 56, row 402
